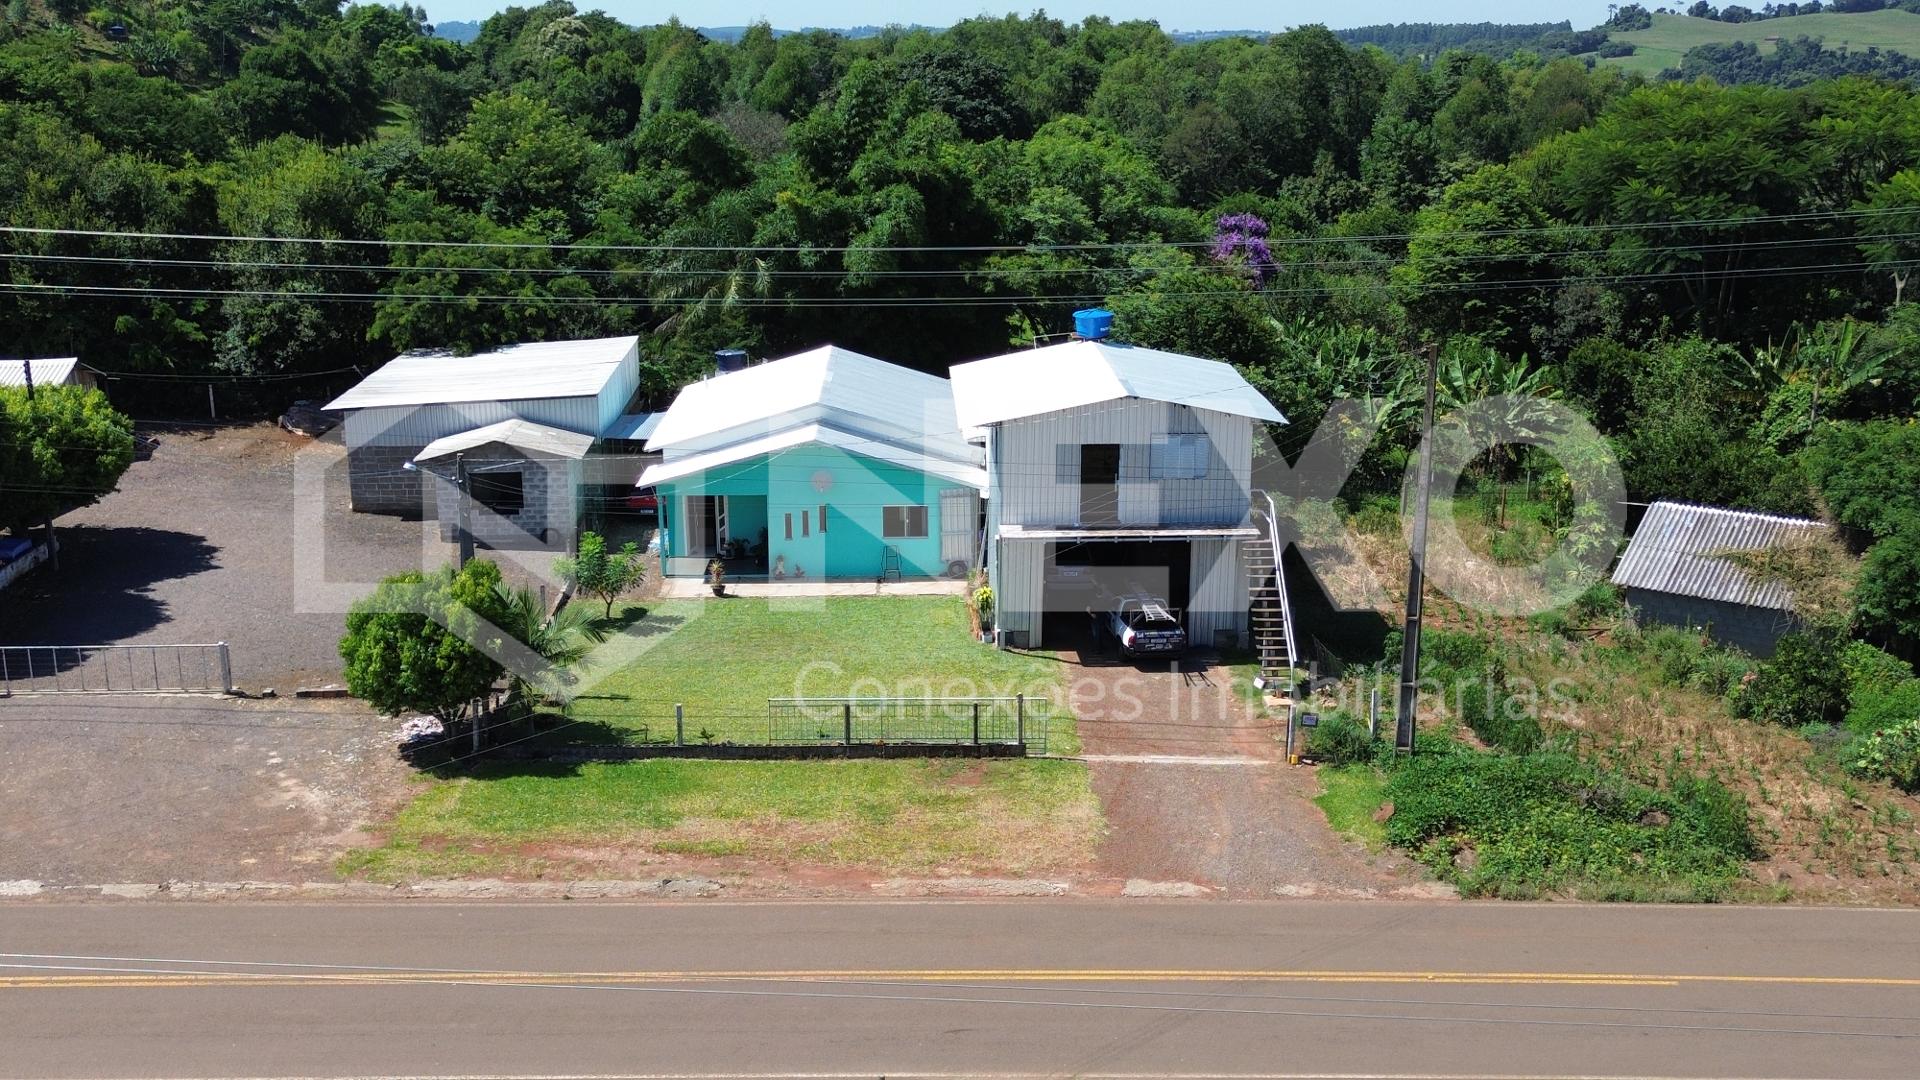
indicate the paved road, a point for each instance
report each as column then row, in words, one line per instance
column 969, row 988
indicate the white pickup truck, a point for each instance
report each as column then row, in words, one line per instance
column 1144, row 626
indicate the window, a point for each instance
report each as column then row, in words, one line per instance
column 504, row 493
column 1181, row 457
column 823, row 518
column 789, row 519
column 903, row 522
column 804, row 529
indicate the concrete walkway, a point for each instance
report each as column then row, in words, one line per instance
column 682, row 588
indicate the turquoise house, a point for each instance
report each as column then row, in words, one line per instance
column 823, row 465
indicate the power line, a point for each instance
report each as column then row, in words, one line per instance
column 1272, row 241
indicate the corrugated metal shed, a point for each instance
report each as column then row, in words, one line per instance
column 849, row 390
column 50, row 372
column 519, row 434
column 1675, row 551
column 535, row 370
column 1078, row 373
column 825, row 435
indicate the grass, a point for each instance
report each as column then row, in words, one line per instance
column 894, row 816
column 723, row 659
column 1349, row 796
column 1661, row 47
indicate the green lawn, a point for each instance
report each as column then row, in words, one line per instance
column 723, row 660
column 903, row 816
column 1661, row 47
column 1349, row 796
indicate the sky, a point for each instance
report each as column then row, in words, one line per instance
column 1201, row 15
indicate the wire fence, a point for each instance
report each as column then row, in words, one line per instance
column 115, row 669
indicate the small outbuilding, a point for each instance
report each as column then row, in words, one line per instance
column 50, row 371
column 419, row 400
column 1675, row 572
column 525, row 480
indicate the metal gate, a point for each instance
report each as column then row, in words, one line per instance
column 115, row 669
column 959, row 513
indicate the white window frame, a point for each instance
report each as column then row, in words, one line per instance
column 1181, row 455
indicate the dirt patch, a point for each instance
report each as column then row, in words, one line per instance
column 147, row 789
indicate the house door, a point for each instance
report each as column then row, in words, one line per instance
column 959, row 512
column 706, row 524
column 1100, row 484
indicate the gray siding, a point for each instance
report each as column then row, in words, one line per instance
column 1019, row 589
column 1217, row 613
column 1036, row 465
column 418, row 425
column 1751, row 629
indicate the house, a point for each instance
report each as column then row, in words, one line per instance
column 1113, row 468
column 518, row 423
column 1674, row 572
column 825, row 464
column 61, row 371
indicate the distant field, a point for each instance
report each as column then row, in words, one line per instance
column 1671, row 36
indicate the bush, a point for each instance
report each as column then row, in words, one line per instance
column 1802, row 683
column 1891, row 754
column 1509, row 825
column 1879, row 708
column 1460, row 652
column 1600, row 601
column 1869, row 669
column 1341, row 740
column 1501, row 720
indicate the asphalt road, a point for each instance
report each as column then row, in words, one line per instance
column 957, row 988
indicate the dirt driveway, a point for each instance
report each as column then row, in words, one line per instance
column 153, row 789
column 1195, row 788
column 198, row 546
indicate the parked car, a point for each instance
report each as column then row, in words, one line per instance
column 308, row 418
column 645, row 501
column 1144, row 626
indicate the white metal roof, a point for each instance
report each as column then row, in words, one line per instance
column 54, row 371
column 634, row 426
column 824, row 434
column 1676, row 550
column 519, row 434
column 1130, row 532
column 1076, row 373
column 534, row 370
column 849, row 390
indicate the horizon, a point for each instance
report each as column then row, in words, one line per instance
column 1224, row 16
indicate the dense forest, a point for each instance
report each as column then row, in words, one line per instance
column 1716, row 272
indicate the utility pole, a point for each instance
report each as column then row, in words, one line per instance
column 1416, row 569
column 466, row 522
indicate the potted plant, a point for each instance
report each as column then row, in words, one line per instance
column 780, row 568
column 717, row 576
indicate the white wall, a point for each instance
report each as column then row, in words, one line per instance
column 1036, row 465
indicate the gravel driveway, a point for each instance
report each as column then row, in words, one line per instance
column 198, row 546
column 1239, row 820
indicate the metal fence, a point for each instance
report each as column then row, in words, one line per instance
column 928, row 721
column 115, row 669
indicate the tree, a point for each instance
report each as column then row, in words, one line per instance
column 1869, row 474
column 425, row 642
column 62, row 450
column 561, row 640
column 1887, row 597
column 605, row 575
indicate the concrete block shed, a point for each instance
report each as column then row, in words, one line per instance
column 1674, row 572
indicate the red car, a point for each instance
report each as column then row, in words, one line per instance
column 646, row 501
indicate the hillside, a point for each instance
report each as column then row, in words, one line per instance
column 1662, row 46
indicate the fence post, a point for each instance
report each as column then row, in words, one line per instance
column 976, row 723
column 679, row 724
column 1020, row 719
column 1373, row 713
column 846, row 717
column 478, row 717
column 226, row 669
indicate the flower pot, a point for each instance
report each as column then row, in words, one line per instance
column 719, row 590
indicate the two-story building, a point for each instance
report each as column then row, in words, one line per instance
column 1113, row 468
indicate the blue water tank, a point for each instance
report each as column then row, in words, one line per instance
column 1092, row 323
column 725, row 360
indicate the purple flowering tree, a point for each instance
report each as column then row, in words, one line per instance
column 1244, row 236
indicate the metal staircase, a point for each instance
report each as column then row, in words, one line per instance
column 1270, row 616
